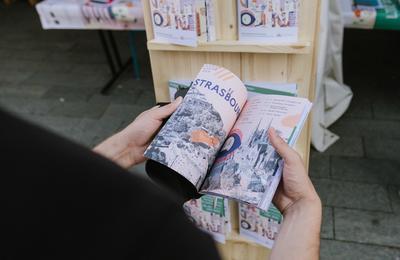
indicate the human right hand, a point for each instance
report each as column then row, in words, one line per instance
column 295, row 187
column 296, row 198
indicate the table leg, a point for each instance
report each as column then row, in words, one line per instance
column 107, row 52
column 132, row 47
column 113, row 56
column 114, row 47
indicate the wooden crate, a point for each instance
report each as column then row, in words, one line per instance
column 282, row 62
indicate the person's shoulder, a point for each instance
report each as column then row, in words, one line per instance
column 178, row 238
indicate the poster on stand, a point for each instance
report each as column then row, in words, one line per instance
column 174, row 21
column 268, row 20
column 210, row 214
column 258, row 225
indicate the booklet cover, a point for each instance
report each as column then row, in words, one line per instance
column 174, row 21
column 217, row 142
column 259, row 225
column 268, row 20
column 210, row 214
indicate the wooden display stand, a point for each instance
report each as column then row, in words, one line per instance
column 293, row 63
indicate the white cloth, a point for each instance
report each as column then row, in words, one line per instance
column 332, row 96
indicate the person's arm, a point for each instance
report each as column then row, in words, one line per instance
column 299, row 236
column 126, row 148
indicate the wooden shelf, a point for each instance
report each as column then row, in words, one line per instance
column 235, row 237
column 235, row 46
column 250, row 61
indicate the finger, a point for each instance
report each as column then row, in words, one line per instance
column 166, row 110
column 154, row 108
column 282, row 148
column 147, row 111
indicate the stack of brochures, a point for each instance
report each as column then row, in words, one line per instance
column 212, row 215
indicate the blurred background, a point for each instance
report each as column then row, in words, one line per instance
column 55, row 78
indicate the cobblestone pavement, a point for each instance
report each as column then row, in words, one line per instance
column 54, row 79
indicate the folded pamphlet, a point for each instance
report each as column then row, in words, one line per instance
column 259, row 225
column 210, row 214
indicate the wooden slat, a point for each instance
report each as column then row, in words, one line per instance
column 226, row 23
column 234, row 46
column 148, row 23
column 168, row 65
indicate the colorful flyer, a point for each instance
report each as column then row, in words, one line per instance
column 268, row 20
column 174, row 21
column 210, row 214
column 259, row 225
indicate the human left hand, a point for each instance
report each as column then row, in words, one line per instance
column 127, row 147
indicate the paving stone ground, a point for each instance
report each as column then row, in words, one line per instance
column 54, row 77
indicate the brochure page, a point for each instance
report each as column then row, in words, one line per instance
column 191, row 138
column 246, row 167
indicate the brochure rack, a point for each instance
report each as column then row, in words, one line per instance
column 277, row 62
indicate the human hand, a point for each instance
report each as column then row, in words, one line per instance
column 127, row 147
column 300, row 205
column 295, row 187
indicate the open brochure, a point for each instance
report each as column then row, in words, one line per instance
column 217, row 142
column 210, row 214
column 258, row 225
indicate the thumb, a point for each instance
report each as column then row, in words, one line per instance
column 282, row 148
column 167, row 110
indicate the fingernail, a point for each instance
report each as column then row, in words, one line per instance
column 178, row 100
column 272, row 130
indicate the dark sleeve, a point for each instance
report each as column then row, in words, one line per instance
column 61, row 201
column 178, row 228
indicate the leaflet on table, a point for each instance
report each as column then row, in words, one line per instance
column 81, row 14
column 174, row 21
column 373, row 3
column 247, row 168
column 211, row 214
column 358, row 16
column 191, row 138
column 268, row 20
column 55, row 15
column 259, row 225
